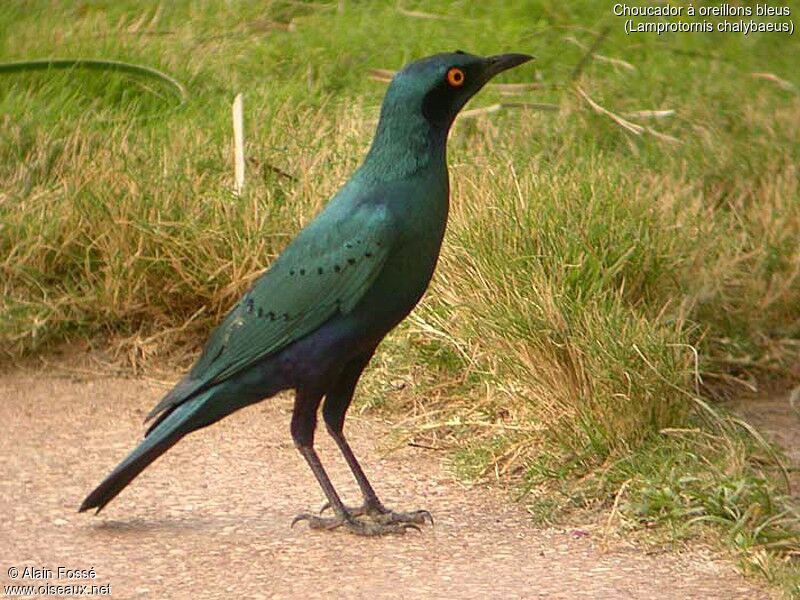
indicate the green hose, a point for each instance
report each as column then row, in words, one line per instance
column 46, row 64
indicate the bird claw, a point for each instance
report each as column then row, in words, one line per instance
column 327, row 506
column 424, row 516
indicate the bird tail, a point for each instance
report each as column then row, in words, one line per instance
column 170, row 428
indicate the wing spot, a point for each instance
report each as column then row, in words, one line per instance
column 302, row 271
column 291, row 272
column 320, row 270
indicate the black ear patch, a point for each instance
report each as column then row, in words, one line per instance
column 437, row 105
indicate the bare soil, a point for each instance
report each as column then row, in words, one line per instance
column 210, row 519
column 775, row 413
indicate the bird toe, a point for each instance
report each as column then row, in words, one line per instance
column 416, row 517
column 316, row 522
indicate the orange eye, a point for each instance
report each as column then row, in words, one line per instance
column 455, row 77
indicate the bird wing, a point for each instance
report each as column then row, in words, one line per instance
column 324, row 271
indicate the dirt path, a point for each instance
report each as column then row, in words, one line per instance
column 773, row 414
column 211, row 518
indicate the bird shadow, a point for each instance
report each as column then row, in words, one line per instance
column 139, row 526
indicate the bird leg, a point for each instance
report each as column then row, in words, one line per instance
column 341, row 515
column 304, row 421
column 337, row 401
column 372, row 507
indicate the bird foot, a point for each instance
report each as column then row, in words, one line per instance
column 380, row 514
column 354, row 525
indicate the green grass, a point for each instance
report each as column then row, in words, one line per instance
column 594, row 284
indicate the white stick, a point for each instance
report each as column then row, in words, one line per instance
column 238, row 144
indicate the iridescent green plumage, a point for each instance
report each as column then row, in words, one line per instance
column 312, row 321
column 324, row 271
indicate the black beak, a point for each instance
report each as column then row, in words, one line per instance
column 503, row 62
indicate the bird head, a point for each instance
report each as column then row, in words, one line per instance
column 420, row 105
column 439, row 86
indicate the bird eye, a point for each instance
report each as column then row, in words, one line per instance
column 455, row 77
